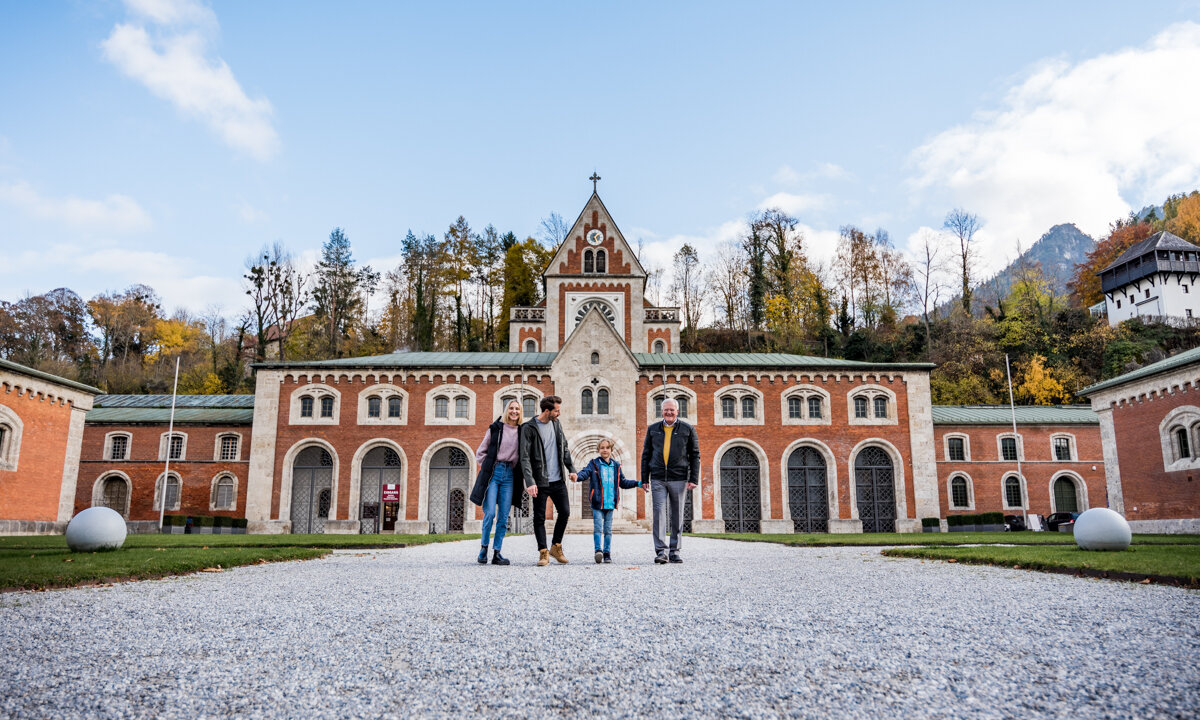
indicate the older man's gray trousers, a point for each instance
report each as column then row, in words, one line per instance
column 663, row 492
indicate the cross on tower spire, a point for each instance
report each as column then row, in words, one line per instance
column 594, row 178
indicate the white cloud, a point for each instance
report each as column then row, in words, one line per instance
column 786, row 176
column 795, row 203
column 174, row 63
column 115, row 213
column 1081, row 142
column 248, row 213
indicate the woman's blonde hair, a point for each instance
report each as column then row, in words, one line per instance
column 506, row 407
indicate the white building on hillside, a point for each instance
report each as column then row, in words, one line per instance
column 1155, row 278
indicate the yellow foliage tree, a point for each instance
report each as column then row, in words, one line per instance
column 176, row 337
column 1038, row 384
column 1186, row 223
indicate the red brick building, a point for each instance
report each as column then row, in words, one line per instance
column 41, row 428
column 1150, row 428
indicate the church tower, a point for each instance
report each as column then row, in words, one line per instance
column 594, row 268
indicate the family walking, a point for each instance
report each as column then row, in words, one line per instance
column 536, row 455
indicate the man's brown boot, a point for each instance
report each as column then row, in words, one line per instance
column 557, row 553
column 543, row 557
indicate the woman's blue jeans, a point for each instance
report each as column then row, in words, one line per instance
column 499, row 493
column 602, row 528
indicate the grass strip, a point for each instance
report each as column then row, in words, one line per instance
column 26, row 569
column 333, row 542
column 937, row 539
column 1168, row 564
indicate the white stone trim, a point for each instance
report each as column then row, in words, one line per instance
column 804, row 391
column 108, row 443
column 212, row 491
column 1081, row 494
column 966, row 446
column 285, row 483
column 1004, row 491
column 674, row 391
column 1112, row 464
column 950, row 490
column 98, row 490
column 423, row 486
column 317, row 391
column 1000, row 446
column 70, row 474
column 528, row 341
column 831, row 486
column 1072, row 447
column 872, row 391
column 10, row 444
column 764, row 478
column 450, row 391
column 738, row 392
column 356, row 475
column 897, row 478
column 260, row 477
column 163, row 444
column 1186, row 418
column 158, row 490
column 383, row 391
column 217, row 446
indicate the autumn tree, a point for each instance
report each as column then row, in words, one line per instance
column 1185, row 221
column 963, row 226
column 523, row 264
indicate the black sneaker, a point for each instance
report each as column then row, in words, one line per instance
column 607, row 558
column 498, row 559
column 599, row 557
column 482, row 559
column 675, row 558
column 660, row 559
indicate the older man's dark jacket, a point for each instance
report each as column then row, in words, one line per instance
column 533, row 454
column 685, row 454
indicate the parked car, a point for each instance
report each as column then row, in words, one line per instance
column 1012, row 523
column 1054, row 521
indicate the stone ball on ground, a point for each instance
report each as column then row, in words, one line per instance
column 1102, row 529
column 97, row 528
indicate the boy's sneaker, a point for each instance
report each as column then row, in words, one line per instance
column 675, row 558
column 607, row 558
column 599, row 557
column 660, row 559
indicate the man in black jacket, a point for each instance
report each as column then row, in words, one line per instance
column 670, row 466
column 546, row 466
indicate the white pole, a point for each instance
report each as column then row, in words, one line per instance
column 162, row 506
column 1017, row 443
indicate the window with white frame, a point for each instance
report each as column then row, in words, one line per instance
column 441, row 406
column 687, row 402
column 738, row 405
column 306, row 406
column 530, row 346
column 960, row 497
column 118, row 446
column 872, row 405
column 728, row 407
column 860, row 407
column 381, row 405
column 805, row 405
column 585, row 401
column 230, row 447
column 462, row 407
column 521, row 393
column 173, row 486
column 957, row 448
column 1013, row 497
column 375, row 407
column 1009, row 448
column 327, row 407
column 450, row 405
column 173, row 446
column 224, row 493
column 314, row 404
column 10, row 438
column 1179, row 435
column 1064, row 449
column 660, row 347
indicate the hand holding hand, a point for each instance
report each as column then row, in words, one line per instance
column 691, row 486
column 574, row 477
column 646, row 485
column 532, row 490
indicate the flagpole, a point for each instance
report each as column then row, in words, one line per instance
column 162, row 506
column 1017, row 444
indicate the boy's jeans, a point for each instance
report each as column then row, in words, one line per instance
column 499, row 492
column 602, row 525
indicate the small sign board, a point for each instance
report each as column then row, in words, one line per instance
column 391, row 493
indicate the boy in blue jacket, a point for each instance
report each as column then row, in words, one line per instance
column 606, row 479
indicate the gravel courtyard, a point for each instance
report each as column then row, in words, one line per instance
column 740, row 630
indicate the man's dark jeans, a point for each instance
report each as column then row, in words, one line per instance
column 562, row 511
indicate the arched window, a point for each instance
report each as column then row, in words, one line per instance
column 306, row 406
column 683, row 406
column 529, row 406
column 728, row 407
column 223, row 493
column 530, row 346
column 958, row 492
column 586, row 402
column 172, row 482
column 394, row 406
column 118, row 447
column 814, row 407
column 462, row 407
column 600, row 264
column 795, row 408
column 956, row 448
column 175, row 447
column 602, row 401
column 327, row 406
column 115, row 494
column 747, row 406
column 860, row 407
column 1066, row 498
column 881, row 409
column 589, row 265
column 595, row 358
column 1012, row 492
column 660, row 346
column 1008, row 448
column 229, row 447
column 374, row 406
column 1181, row 443
column 441, row 406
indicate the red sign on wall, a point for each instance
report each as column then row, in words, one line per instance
column 391, row 493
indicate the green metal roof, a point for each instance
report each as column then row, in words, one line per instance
column 30, row 372
column 183, row 415
column 426, row 360
column 763, row 360
column 1003, row 415
column 181, row 401
column 1176, row 361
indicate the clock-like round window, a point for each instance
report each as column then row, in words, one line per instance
column 595, row 237
column 600, row 305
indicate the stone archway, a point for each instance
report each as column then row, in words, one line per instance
column 741, row 504
column 807, row 490
column 875, row 489
column 449, row 476
column 312, row 490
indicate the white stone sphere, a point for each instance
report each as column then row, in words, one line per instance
column 97, row 528
column 1102, row 529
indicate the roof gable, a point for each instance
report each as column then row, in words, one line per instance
column 621, row 259
column 593, row 323
column 1161, row 240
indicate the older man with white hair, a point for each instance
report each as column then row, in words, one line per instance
column 670, row 467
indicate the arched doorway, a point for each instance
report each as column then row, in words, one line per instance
column 115, row 494
column 807, row 491
column 875, row 490
column 740, row 495
column 1066, row 497
column 312, row 490
column 449, row 472
column 380, row 466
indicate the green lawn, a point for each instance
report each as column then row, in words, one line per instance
column 940, row 539
column 1179, row 563
column 37, row 562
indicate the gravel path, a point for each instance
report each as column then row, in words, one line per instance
column 738, row 630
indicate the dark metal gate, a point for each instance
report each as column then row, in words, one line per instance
column 807, row 491
column 520, row 518
column 585, row 501
column 875, row 490
column 740, row 496
column 380, row 466
column 448, row 477
column 1065, row 497
column 312, row 486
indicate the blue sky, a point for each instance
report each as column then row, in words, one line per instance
column 163, row 141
